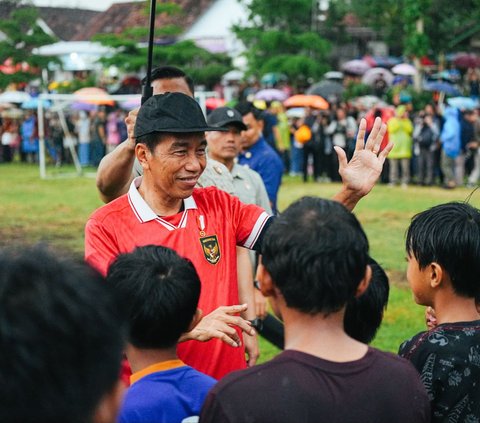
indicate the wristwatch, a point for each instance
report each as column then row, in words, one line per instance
column 257, row 324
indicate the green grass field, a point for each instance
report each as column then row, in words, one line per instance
column 55, row 210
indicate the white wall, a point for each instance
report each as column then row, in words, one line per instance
column 212, row 29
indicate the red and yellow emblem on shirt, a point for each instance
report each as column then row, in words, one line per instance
column 210, row 248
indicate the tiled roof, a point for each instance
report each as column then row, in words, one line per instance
column 64, row 22
column 126, row 15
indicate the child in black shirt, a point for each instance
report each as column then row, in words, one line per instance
column 443, row 248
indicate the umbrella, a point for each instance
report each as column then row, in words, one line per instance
column 14, row 97
column 404, row 69
column 214, row 102
column 303, row 100
column 273, row 78
column 94, row 95
column 33, row 104
column 233, row 75
column 295, row 112
column 356, row 67
column 87, row 107
column 271, row 94
column 367, row 102
column 327, row 89
column 131, row 104
column 373, row 74
column 333, row 75
column 465, row 60
column 462, row 103
column 441, row 87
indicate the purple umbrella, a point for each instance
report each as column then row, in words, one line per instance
column 356, row 67
column 88, row 107
column 271, row 94
column 373, row 74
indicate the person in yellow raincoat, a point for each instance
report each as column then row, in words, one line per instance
column 400, row 129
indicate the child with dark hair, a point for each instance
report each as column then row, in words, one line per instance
column 443, row 251
column 159, row 291
column 315, row 260
column 364, row 314
column 61, row 341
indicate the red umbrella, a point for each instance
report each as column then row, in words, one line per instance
column 465, row 61
column 214, row 102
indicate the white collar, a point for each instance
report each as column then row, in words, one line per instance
column 140, row 207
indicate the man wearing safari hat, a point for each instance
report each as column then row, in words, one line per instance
column 204, row 224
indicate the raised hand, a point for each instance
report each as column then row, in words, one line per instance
column 360, row 174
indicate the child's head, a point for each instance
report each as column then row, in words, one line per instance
column 61, row 341
column 159, row 291
column 316, row 254
column 449, row 235
column 364, row 314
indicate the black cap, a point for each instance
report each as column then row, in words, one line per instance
column 171, row 112
column 224, row 116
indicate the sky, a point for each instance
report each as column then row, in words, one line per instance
column 80, row 4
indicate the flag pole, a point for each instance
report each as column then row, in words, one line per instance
column 147, row 90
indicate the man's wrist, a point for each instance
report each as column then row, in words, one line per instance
column 348, row 197
column 257, row 323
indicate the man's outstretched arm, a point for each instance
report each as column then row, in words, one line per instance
column 114, row 174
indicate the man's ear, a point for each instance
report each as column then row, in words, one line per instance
column 266, row 283
column 365, row 282
column 196, row 319
column 143, row 154
column 435, row 274
column 109, row 406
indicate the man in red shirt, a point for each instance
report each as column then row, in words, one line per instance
column 204, row 224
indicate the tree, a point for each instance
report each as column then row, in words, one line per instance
column 131, row 53
column 396, row 20
column 280, row 37
column 23, row 34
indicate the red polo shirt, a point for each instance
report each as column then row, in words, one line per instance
column 206, row 232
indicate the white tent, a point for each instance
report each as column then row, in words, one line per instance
column 76, row 55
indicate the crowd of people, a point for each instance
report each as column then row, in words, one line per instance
column 92, row 134
column 176, row 309
column 437, row 145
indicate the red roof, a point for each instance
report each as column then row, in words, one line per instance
column 121, row 16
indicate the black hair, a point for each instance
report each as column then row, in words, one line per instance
column 316, row 253
column 159, row 291
column 246, row 107
column 171, row 72
column 61, row 338
column 364, row 314
column 449, row 234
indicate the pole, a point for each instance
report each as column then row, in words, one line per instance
column 147, row 90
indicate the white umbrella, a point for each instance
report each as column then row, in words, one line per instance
column 233, row 75
column 371, row 76
column 404, row 69
column 333, row 75
column 14, row 97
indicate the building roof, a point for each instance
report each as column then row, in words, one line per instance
column 120, row 16
column 65, row 22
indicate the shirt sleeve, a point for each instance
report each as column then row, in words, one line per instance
column 100, row 246
column 212, row 411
